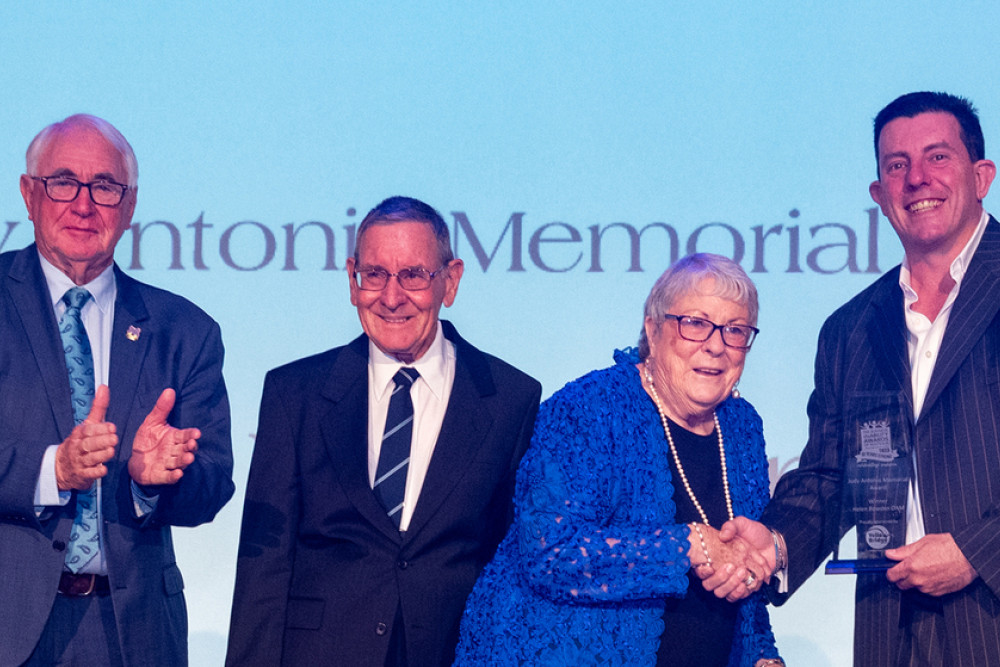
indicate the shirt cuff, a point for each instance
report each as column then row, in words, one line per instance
column 142, row 502
column 782, row 581
column 47, row 491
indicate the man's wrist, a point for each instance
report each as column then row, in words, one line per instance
column 780, row 552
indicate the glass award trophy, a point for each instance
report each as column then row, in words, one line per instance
column 876, row 468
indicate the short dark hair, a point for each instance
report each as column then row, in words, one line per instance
column 407, row 209
column 912, row 104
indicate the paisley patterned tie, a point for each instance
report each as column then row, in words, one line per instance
column 83, row 542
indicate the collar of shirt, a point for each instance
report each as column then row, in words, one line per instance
column 923, row 343
column 431, row 366
column 957, row 270
column 98, row 316
column 101, row 288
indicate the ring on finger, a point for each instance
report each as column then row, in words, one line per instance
column 750, row 580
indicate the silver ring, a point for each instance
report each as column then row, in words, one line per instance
column 750, row 580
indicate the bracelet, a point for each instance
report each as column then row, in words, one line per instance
column 701, row 536
column 780, row 557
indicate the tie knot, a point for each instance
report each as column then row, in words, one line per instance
column 405, row 377
column 75, row 297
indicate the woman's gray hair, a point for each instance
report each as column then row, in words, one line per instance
column 683, row 278
column 40, row 144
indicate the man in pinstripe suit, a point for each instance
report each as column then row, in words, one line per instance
column 928, row 332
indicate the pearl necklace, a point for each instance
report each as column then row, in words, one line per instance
column 677, row 460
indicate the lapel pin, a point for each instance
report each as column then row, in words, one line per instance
column 133, row 333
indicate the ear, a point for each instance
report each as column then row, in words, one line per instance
column 456, row 268
column 651, row 330
column 985, row 172
column 875, row 190
column 28, row 193
column 351, row 282
column 128, row 205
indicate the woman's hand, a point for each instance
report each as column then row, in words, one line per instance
column 741, row 565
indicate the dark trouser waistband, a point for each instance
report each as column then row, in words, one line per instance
column 82, row 585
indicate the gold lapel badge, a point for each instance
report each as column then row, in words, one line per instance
column 133, row 333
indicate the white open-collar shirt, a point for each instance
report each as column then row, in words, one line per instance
column 923, row 343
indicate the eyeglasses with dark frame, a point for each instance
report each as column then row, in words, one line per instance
column 64, row 188
column 375, row 278
column 698, row 330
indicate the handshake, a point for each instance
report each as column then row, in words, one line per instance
column 736, row 560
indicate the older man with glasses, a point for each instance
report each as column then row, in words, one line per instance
column 383, row 470
column 115, row 421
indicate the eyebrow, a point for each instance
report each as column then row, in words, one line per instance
column 927, row 149
column 102, row 176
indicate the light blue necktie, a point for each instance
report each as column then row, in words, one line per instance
column 394, row 456
column 83, row 541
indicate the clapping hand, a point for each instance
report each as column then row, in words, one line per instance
column 161, row 452
column 81, row 457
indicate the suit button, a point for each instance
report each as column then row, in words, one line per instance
column 59, row 545
column 402, row 565
column 381, row 629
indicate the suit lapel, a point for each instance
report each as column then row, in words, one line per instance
column 345, row 432
column 976, row 306
column 30, row 296
column 886, row 328
column 128, row 352
column 463, row 431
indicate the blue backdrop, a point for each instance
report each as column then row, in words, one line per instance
column 575, row 148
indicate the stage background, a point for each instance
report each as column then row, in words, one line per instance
column 745, row 129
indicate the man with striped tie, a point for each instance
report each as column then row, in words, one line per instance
column 383, row 470
column 114, row 421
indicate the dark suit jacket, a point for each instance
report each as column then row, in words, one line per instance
column 862, row 348
column 322, row 568
column 180, row 347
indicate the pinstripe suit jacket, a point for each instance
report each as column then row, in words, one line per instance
column 862, row 349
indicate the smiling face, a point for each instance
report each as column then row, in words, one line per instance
column 402, row 323
column 691, row 377
column 78, row 237
column 928, row 187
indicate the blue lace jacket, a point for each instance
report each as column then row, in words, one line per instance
column 581, row 576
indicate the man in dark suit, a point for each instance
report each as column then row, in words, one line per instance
column 139, row 442
column 366, row 524
column 928, row 332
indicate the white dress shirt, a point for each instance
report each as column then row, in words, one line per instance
column 429, row 394
column 98, row 316
column 923, row 344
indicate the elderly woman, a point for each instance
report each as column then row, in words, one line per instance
column 631, row 470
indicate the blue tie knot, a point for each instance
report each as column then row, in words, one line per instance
column 75, row 297
column 405, row 377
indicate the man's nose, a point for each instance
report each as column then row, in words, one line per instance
column 916, row 175
column 83, row 205
column 393, row 293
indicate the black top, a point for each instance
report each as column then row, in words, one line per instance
column 699, row 627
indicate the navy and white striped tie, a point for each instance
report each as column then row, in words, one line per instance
column 394, row 457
